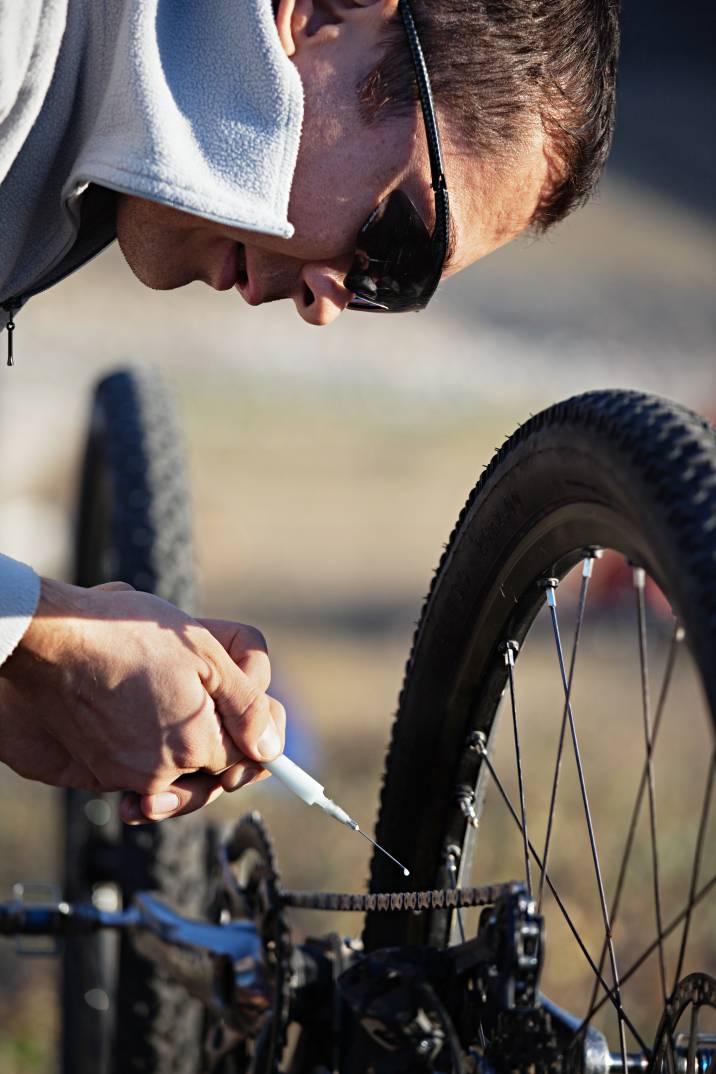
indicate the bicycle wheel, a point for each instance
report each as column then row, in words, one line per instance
column 133, row 525
column 635, row 475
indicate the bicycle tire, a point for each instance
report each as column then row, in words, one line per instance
column 133, row 525
column 615, row 468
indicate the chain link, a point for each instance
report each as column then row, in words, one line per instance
column 445, row 899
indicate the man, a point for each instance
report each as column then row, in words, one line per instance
column 281, row 151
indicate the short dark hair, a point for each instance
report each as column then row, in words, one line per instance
column 497, row 65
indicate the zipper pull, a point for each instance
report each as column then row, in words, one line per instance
column 10, row 307
column 10, row 349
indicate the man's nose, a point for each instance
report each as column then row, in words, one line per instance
column 320, row 295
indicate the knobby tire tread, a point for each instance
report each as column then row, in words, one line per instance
column 135, row 444
column 671, row 452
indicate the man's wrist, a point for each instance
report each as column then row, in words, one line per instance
column 57, row 601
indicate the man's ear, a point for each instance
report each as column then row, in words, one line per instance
column 292, row 17
column 297, row 19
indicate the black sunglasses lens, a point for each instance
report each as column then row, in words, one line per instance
column 394, row 263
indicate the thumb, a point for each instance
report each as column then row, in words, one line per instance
column 254, row 721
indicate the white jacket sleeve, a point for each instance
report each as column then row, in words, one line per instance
column 19, row 594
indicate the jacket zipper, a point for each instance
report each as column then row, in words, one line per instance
column 14, row 304
column 10, row 307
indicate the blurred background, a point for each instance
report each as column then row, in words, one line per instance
column 328, row 467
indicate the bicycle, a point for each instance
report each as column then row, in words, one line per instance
column 450, row 972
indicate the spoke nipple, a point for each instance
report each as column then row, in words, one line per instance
column 587, row 565
column 509, row 650
column 477, row 741
column 639, row 577
column 550, row 587
column 451, row 862
column 679, row 633
column 452, row 854
column 464, row 798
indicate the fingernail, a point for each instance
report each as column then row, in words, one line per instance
column 164, row 803
column 269, row 745
column 250, row 773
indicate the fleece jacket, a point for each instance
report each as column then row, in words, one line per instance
column 192, row 105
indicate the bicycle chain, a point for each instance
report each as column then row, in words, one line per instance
column 440, row 899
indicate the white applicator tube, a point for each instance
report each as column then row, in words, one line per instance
column 307, row 788
column 311, row 792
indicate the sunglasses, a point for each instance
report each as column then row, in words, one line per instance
column 397, row 263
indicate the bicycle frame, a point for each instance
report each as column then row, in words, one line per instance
column 402, row 1001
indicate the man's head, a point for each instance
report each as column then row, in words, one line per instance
column 525, row 96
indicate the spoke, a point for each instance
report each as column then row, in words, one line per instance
column 609, row 995
column 648, row 951
column 697, row 864
column 670, row 1055
column 586, row 574
column 676, row 637
column 511, row 648
column 452, row 873
column 639, row 585
column 552, row 602
column 693, row 1038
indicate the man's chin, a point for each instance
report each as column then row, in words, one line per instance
column 153, row 254
column 158, row 278
column 160, row 283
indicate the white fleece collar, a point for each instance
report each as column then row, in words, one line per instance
column 194, row 105
column 200, row 109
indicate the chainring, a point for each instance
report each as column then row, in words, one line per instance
column 248, row 890
column 695, row 991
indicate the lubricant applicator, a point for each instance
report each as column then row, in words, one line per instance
column 311, row 792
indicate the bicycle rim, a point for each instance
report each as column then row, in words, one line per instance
column 613, row 470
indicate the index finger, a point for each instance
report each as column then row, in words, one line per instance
column 246, row 646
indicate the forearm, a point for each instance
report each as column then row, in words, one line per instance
column 19, row 596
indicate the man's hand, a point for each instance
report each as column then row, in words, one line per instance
column 111, row 689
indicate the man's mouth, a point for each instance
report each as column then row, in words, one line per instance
column 245, row 285
column 232, row 270
column 257, row 284
column 242, row 276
